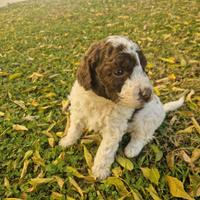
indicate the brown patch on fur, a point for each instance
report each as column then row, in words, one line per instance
column 101, row 61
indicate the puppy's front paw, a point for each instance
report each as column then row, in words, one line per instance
column 100, row 172
column 132, row 150
column 65, row 142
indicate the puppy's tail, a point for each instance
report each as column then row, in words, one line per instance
column 173, row 105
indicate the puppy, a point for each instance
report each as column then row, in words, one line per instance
column 111, row 84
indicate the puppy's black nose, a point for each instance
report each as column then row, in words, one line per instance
column 145, row 94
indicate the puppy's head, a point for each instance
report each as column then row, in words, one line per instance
column 114, row 69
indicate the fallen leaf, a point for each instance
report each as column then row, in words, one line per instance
column 20, row 103
column 118, row 183
column 170, row 60
column 2, row 114
column 74, row 172
column 170, row 160
column 6, row 183
column 185, row 157
column 186, row 130
column 125, row 163
column 117, row 171
column 158, row 152
column 18, row 127
column 189, row 96
column 39, row 181
column 65, row 105
column 14, row 76
column 176, row 188
column 56, row 196
column 37, row 159
column 60, row 181
column 76, row 186
column 153, row 192
column 152, row 174
column 172, row 77
column 88, row 157
column 195, row 185
column 51, row 142
column 196, row 124
column 136, row 195
column 195, row 155
column 24, row 169
column 28, row 154
column 35, row 76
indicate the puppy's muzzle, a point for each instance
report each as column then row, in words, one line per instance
column 145, row 94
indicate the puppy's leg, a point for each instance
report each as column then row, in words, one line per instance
column 144, row 124
column 105, row 155
column 74, row 132
column 139, row 138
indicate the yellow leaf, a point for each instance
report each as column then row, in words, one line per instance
column 170, row 60
column 51, row 142
column 125, row 163
column 18, row 127
column 185, row 157
column 65, row 105
column 2, row 114
column 14, row 76
column 12, row 199
column 153, row 192
column 4, row 73
column 88, row 157
column 186, row 130
column 24, row 169
column 35, row 76
column 157, row 91
column 76, row 186
column 20, row 103
column 37, row 159
column 60, row 134
column 50, row 95
column 6, row 183
column 136, row 195
column 123, row 17
column 152, row 174
column 172, row 77
column 195, row 155
column 74, row 172
column 38, row 181
column 56, row 196
column 28, row 154
column 196, row 124
column 117, row 171
column 189, row 96
column 121, row 188
column 60, row 181
column 176, row 188
column 70, row 198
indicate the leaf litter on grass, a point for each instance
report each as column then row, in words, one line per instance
column 41, row 45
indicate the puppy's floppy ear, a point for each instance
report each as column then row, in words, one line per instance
column 143, row 60
column 86, row 70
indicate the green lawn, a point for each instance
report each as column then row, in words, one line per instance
column 41, row 44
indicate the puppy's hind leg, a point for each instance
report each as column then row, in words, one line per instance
column 74, row 132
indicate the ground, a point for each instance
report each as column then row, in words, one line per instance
column 41, row 44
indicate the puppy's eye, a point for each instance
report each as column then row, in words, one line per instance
column 118, row 72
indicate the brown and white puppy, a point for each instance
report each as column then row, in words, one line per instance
column 111, row 83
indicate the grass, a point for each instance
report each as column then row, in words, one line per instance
column 49, row 37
